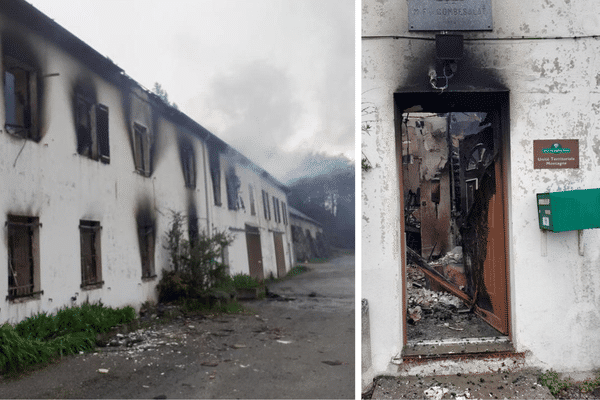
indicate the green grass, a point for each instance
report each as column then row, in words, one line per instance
column 42, row 337
column 243, row 281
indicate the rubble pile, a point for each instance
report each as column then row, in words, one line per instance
column 423, row 302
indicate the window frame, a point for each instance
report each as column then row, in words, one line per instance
column 94, row 229
column 141, row 149
column 189, row 168
column 251, row 199
column 147, row 251
column 24, row 120
column 31, row 227
column 284, row 212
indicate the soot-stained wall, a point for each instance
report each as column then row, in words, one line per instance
column 543, row 56
column 54, row 180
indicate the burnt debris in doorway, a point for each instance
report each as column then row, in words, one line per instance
column 450, row 162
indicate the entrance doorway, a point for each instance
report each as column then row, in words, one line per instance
column 254, row 252
column 452, row 149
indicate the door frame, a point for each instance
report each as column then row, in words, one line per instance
column 455, row 101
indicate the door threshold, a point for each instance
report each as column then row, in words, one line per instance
column 445, row 347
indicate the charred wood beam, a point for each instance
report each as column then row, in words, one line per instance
column 431, row 273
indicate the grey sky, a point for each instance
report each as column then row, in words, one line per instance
column 273, row 78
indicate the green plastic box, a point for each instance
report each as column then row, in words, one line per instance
column 570, row 210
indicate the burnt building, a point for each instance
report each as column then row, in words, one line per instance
column 91, row 165
column 473, row 108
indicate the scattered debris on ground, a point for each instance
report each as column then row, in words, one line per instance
column 499, row 385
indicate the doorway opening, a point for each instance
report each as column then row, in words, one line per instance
column 452, row 149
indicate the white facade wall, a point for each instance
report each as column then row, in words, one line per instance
column 554, row 94
column 51, row 181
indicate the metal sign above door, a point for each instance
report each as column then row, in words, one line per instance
column 450, row 15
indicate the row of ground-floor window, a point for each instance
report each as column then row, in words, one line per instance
column 24, row 255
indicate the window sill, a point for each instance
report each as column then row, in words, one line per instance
column 149, row 278
column 92, row 286
column 24, row 298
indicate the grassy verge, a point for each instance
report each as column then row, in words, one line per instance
column 43, row 337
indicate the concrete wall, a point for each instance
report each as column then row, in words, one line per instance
column 553, row 84
column 50, row 180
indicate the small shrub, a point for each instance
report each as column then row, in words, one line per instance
column 551, row 380
column 195, row 269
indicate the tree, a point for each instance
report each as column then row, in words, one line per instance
column 329, row 199
column 162, row 93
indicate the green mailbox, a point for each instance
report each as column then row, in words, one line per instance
column 569, row 211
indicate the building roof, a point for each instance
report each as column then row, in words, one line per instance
column 300, row 215
column 24, row 13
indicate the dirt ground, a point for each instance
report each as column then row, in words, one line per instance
column 300, row 345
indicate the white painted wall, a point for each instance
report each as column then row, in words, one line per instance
column 554, row 94
column 50, row 180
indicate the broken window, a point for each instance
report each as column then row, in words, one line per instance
column 23, row 256
column 251, row 194
column 189, row 167
column 215, row 174
column 91, row 265
column 92, row 128
column 266, row 206
column 141, row 146
column 232, row 182
column 284, row 211
column 20, row 99
column 146, row 235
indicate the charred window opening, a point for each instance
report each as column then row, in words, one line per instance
column 141, row 144
column 21, row 99
column 193, row 229
column 233, row 184
column 91, row 264
column 276, row 213
column 215, row 174
column 189, row 167
column 92, row 128
column 266, row 206
column 147, row 241
column 285, row 214
column 23, row 257
column 251, row 195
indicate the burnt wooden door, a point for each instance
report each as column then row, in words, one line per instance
column 279, row 256
column 492, row 306
column 254, row 253
column 484, row 240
